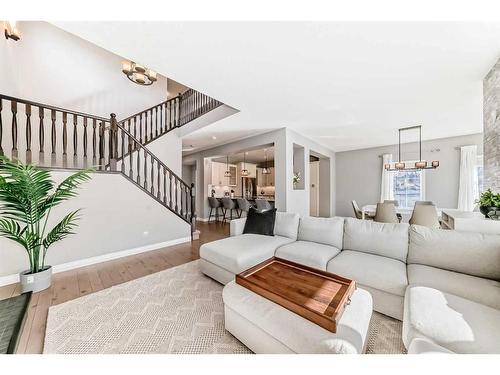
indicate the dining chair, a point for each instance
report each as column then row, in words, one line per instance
column 394, row 202
column 358, row 213
column 214, row 203
column 228, row 204
column 424, row 203
column 243, row 206
column 386, row 213
column 262, row 205
column 425, row 215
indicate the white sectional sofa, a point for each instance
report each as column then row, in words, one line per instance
column 444, row 285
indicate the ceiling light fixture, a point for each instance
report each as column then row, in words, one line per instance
column 265, row 170
column 214, row 137
column 420, row 164
column 11, row 31
column 138, row 73
column 244, row 171
column 227, row 173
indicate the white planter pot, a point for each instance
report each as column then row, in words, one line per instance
column 35, row 282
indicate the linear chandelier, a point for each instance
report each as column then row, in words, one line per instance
column 138, row 73
column 420, row 164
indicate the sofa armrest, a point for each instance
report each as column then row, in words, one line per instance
column 237, row 226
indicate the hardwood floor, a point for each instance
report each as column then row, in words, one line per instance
column 81, row 281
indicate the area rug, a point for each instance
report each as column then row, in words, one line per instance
column 178, row 310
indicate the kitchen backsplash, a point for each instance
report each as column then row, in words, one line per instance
column 268, row 190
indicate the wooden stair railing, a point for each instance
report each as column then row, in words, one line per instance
column 144, row 169
column 63, row 138
column 54, row 137
column 154, row 122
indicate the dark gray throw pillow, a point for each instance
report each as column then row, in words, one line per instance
column 260, row 222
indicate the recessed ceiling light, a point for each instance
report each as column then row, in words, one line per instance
column 214, row 137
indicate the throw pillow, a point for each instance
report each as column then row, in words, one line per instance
column 260, row 222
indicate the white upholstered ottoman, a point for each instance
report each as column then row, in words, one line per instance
column 266, row 327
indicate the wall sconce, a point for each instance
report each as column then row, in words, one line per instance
column 11, row 31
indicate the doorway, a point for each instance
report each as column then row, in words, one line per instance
column 319, row 185
column 313, row 186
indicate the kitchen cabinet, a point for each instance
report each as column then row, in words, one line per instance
column 265, row 179
column 218, row 171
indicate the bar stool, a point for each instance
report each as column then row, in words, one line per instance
column 228, row 204
column 243, row 206
column 262, row 205
column 214, row 203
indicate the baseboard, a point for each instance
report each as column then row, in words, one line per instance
column 11, row 279
column 202, row 219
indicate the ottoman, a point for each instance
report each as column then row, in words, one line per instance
column 266, row 327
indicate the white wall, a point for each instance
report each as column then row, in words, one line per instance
column 359, row 172
column 298, row 200
column 116, row 216
column 52, row 66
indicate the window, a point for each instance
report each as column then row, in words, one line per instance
column 480, row 172
column 408, row 187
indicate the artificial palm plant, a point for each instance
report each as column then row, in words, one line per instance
column 27, row 196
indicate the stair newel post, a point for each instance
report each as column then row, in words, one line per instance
column 113, row 142
column 192, row 217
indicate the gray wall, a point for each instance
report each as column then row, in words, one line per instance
column 359, row 172
column 491, row 92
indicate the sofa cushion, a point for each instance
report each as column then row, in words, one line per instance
column 389, row 240
column 310, row 254
column 452, row 322
column 476, row 289
column 425, row 346
column 286, row 225
column 386, row 274
column 325, row 230
column 297, row 333
column 476, row 254
column 239, row 253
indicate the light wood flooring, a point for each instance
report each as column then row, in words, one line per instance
column 79, row 282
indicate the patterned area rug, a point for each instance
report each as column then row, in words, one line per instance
column 178, row 310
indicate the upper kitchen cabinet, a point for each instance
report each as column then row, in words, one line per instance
column 218, row 171
column 265, row 179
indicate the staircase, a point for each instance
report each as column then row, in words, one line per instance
column 58, row 138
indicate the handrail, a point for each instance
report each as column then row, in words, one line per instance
column 151, row 108
column 51, row 107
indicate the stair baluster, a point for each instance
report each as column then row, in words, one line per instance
column 14, row 129
column 28, row 132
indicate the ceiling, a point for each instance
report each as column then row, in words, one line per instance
column 347, row 85
column 252, row 156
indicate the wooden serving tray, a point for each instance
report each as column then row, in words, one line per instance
column 315, row 295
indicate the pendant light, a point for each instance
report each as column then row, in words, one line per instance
column 420, row 164
column 227, row 173
column 265, row 170
column 244, row 171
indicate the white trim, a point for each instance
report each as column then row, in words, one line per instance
column 11, row 279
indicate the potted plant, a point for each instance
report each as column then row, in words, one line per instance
column 296, row 179
column 27, row 196
column 489, row 201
